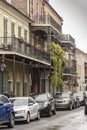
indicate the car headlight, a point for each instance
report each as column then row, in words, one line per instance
column 19, row 112
column 45, row 104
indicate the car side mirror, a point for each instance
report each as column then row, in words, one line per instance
column 72, row 96
column 1, row 103
column 51, row 98
column 30, row 104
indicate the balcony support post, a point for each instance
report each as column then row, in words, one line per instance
column 14, row 74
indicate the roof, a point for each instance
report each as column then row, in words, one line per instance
column 10, row 5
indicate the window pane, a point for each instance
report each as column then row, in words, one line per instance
column 19, row 31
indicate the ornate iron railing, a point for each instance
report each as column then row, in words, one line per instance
column 20, row 46
column 46, row 19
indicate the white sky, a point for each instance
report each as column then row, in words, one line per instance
column 74, row 15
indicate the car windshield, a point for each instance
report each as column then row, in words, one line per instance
column 80, row 94
column 62, row 95
column 58, row 95
column 19, row 102
column 41, row 97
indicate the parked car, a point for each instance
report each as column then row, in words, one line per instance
column 80, row 95
column 26, row 108
column 85, row 109
column 7, row 114
column 64, row 100
column 85, row 96
column 46, row 103
column 76, row 100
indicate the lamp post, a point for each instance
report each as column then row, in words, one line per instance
column 2, row 67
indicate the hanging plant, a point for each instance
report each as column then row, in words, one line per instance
column 57, row 54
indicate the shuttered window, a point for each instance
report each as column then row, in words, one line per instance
column 5, row 30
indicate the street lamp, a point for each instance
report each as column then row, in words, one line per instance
column 2, row 67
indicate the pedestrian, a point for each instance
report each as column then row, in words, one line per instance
column 11, row 94
column 6, row 94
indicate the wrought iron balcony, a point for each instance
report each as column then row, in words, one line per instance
column 46, row 19
column 68, row 38
column 69, row 70
column 18, row 45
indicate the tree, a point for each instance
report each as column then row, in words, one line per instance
column 57, row 58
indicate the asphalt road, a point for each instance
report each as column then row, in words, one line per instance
column 63, row 120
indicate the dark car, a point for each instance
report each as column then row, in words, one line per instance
column 46, row 103
column 6, row 112
column 85, row 111
column 76, row 100
column 80, row 95
column 85, row 102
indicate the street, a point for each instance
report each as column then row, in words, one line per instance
column 64, row 120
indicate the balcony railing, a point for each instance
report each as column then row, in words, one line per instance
column 69, row 70
column 68, row 38
column 24, row 48
column 46, row 19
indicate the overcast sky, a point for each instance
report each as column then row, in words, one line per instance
column 74, row 14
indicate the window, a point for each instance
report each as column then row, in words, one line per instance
column 30, row 100
column 5, row 30
column 3, row 99
column 25, row 35
column 12, row 29
column 19, row 31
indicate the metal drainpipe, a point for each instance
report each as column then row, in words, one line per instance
column 23, row 61
column 14, row 74
column 44, row 78
column 38, row 77
column 49, row 77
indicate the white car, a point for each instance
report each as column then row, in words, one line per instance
column 25, row 108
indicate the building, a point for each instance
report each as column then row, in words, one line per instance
column 81, row 58
column 45, row 28
column 69, row 74
column 28, row 28
column 14, row 39
column 19, row 53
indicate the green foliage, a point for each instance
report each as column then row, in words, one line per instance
column 57, row 56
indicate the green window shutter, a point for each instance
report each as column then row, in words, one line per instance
column 4, row 82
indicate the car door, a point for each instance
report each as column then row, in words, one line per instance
column 1, row 111
column 35, row 108
column 32, row 108
column 4, row 109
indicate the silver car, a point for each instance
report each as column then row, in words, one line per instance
column 64, row 100
column 25, row 108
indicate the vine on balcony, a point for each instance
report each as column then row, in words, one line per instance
column 57, row 56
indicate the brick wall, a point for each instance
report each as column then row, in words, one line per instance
column 20, row 4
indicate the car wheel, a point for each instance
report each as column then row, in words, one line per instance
column 74, row 106
column 49, row 112
column 28, row 118
column 12, row 121
column 54, row 111
column 85, row 111
column 70, row 106
column 38, row 116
